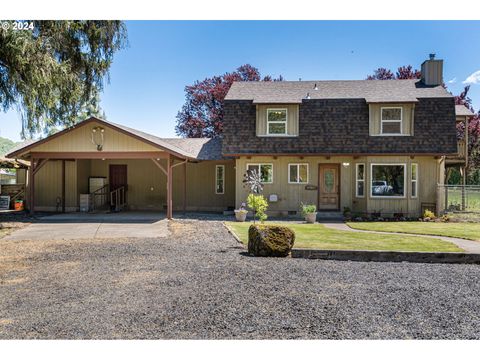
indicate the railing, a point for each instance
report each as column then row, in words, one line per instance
column 460, row 198
column 99, row 197
column 117, row 198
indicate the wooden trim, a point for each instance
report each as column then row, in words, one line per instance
column 102, row 122
column 160, row 166
column 184, row 187
column 63, row 186
column 31, row 184
column 180, row 163
column 249, row 155
column 100, row 155
column 169, row 188
column 40, row 164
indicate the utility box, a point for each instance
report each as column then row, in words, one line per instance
column 86, row 203
column 95, row 183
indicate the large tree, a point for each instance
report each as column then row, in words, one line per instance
column 403, row 72
column 473, row 166
column 50, row 71
column 202, row 113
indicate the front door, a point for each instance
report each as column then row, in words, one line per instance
column 118, row 176
column 328, row 187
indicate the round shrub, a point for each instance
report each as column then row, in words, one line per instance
column 270, row 240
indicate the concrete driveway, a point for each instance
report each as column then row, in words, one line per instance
column 94, row 226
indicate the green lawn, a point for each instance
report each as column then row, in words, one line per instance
column 318, row 236
column 469, row 231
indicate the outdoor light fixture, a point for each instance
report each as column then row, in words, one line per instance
column 97, row 137
column 346, row 164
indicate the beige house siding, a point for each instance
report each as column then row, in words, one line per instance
column 427, row 185
column 407, row 117
column 292, row 118
column 80, row 139
column 146, row 184
column 291, row 195
column 48, row 186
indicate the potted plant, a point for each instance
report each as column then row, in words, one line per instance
column 309, row 212
column 241, row 214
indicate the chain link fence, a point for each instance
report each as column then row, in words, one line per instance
column 460, row 198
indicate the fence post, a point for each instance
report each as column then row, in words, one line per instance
column 445, row 188
column 464, row 182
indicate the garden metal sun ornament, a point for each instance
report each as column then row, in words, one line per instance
column 253, row 182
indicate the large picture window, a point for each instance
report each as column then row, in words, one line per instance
column 360, row 180
column 265, row 171
column 297, row 173
column 391, row 120
column 219, row 179
column 277, row 121
column 388, row 180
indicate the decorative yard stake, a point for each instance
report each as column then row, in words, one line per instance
column 253, row 182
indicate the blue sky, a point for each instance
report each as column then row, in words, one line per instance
column 147, row 78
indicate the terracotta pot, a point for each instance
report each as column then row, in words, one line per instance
column 240, row 216
column 311, row 218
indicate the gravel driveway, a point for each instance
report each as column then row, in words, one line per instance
column 196, row 283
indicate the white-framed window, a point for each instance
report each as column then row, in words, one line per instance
column 360, row 180
column 220, row 179
column 391, row 120
column 298, row 173
column 414, row 180
column 387, row 180
column 277, row 121
column 265, row 171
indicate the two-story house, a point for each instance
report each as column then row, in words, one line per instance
column 371, row 146
column 367, row 145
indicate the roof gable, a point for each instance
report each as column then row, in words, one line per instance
column 119, row 138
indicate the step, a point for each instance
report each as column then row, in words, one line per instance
column 330, row 215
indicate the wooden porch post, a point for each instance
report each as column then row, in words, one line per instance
column 63, row 186
column 169, row 187
column 31, row 184
column 184, row 188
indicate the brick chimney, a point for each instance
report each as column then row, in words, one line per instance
column 432, row 71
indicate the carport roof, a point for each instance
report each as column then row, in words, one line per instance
column 193, row 149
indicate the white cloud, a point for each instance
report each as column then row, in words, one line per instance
column 473, row 79
column 453, row 81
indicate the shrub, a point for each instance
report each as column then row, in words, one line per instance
column 270, row 240
column 259, row 205
column 427, row 214
column 307, row 209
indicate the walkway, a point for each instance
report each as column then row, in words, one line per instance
column 469, row 246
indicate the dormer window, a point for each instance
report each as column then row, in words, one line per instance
column 277, row 121
column 391, row 120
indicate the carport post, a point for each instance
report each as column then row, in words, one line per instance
column 184, row 188
column 31, row 195
column 63, row 185
column 169, row 187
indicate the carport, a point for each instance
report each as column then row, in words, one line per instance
column 97, row 140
